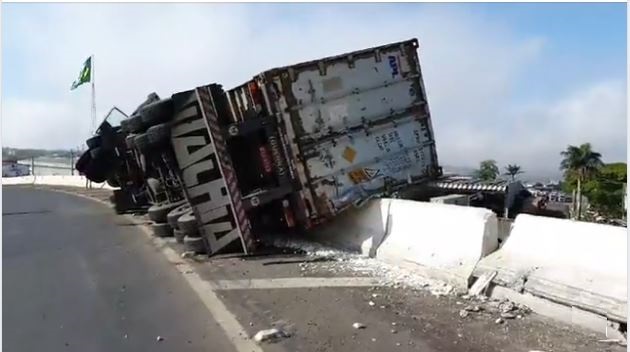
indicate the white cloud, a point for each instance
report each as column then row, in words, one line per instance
column 471, row 66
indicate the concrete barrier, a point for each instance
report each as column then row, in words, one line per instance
column 439, row 241
column 56, row 180
column 570, row 262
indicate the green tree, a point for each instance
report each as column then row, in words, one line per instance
column 580, row 164
column 605, row 191
column 488, row 170
column 513, row 170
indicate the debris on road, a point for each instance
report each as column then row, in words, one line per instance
column 358, row 326
column 371, row 304
column 472, row 308
column 269, row 335
column 508, row 316
column 188, row 254
column 159, row 339
column 506, row 306
column 498, row 321
column 463, row 313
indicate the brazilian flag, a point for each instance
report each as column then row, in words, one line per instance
column 85, row 75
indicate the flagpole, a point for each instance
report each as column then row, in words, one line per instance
column 93, row 76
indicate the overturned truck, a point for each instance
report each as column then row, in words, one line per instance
column 290, row 148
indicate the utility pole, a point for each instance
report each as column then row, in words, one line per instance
column 71, row 162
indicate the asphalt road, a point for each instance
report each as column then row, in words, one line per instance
column 76, row 277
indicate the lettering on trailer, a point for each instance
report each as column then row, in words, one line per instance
column 394, row 65
column 204, row 185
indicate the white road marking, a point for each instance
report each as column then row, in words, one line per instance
column 296, row 282
column 228, row 322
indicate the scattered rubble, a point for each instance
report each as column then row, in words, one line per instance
column 358, row 326
column 269, row 335
column 187, row 254
column 371, row 304
column 506, row 306
column 508, row 316
column 463, row 313
column 159, row 339
column 498, row 321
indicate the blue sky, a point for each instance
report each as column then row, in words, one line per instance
column 511, row 82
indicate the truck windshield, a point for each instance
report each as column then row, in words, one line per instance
column 114, row 117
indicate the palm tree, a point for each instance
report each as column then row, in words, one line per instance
column 581, row 163
column 513, row 170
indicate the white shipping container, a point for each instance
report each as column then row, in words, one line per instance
column 359, row 123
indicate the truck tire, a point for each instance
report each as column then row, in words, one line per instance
column 159, row 135
column 134, row 124
column 124, row 125
column 96, row 153
column 158, row 213
column 113, row 181
column 188, row 224
column 141, row 141
column 179, row 235
column 152, row 97
column 195, row 244
column 162, row 230
column 174, row 214
column 93, row 142
column 157, row 112
column 83, row 162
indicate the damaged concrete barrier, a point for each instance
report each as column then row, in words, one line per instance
column 577, row 264
column 442, row 241
column 438, row 241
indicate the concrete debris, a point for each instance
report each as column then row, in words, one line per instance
column 613, row 331
column 382, row 307
column 374, row 295
column 159, row 338
column 498, row 321
column 508, row 316
column 188, row 254
column 251, row 324
column 506, row 306
column 398, row 344
column 482, row 283
column 358, row 326
column 472, row 308
column 463, row 313
column 373, row 339
column 610, row 341
column 393, row 331
column 393, row 323
column 269, row 335
column 371, row 304
column 466, row 296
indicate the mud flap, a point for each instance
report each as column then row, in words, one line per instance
column 206, row 171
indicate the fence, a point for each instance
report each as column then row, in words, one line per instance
column 50, row 166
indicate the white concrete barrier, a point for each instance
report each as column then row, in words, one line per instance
column 445, row 241
column 575, row 263
column 439, row 241
column 56, row 180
